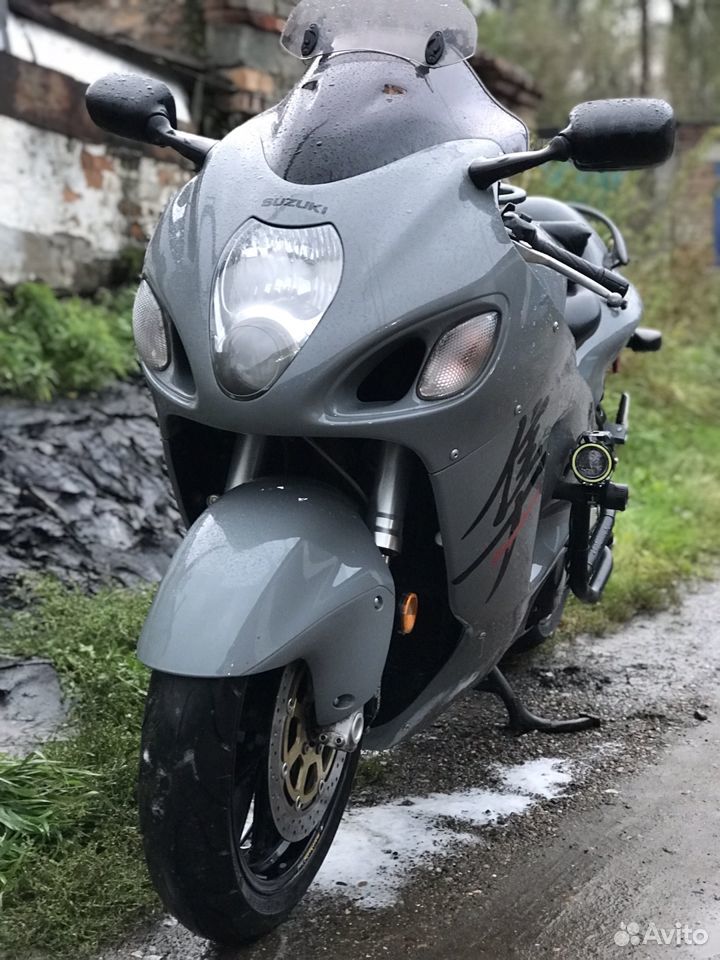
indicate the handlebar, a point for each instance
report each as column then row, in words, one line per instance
column 525, row 231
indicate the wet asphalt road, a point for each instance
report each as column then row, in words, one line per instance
column 634, row 839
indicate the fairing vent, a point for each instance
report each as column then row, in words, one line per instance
column 393, row 376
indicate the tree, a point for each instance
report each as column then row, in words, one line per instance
column 693, row 65
column 575, row 49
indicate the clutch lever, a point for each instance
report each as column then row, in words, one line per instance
column 523, row 229
column 531, row 255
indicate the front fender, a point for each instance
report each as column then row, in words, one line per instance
column 271, row 573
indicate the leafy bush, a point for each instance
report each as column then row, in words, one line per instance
column 50, row 346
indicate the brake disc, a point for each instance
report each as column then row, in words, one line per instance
column 302, row 773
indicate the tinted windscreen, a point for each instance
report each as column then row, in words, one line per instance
column 402, row 28
column 358, row 112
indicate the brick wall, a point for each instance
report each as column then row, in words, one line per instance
column 243, row 41
column 239, row 37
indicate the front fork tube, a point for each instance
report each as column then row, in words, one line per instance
column 389, row 499
column 246, row 463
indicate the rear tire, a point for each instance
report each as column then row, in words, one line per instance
column 209, row 752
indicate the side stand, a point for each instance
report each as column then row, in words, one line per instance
column 521, row 720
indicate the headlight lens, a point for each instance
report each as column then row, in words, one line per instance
column 459, row 358
column 272, row 288
column 149, row 329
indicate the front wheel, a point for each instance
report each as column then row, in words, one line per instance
column 238, row 807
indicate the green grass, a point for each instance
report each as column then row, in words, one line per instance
column 71, row 866
column 40, row 801
column 51, row 346
column 671, row 530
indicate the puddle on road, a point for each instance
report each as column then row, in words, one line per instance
column 376, row 848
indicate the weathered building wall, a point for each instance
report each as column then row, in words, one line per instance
column 243, row 40
column 71, row 199
column 68, row 207
column 166, row 24
column 78, row 59
column 240, row 38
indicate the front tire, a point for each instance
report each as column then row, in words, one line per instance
column 237, row 808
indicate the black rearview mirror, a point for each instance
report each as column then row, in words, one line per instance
column 124, row 104
column 143, row 109
column 620, row 134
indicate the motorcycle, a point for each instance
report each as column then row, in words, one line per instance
column 379, row 373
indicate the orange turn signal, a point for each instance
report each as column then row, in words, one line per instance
column 408, row 611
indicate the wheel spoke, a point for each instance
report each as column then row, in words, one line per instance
column 294, row 752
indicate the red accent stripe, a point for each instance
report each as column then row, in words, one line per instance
column 505, row 547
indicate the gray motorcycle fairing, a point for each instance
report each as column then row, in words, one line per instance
column 272, row 573
column 424, row 249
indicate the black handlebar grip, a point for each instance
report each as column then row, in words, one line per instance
column 607, row 278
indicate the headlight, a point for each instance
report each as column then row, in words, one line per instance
column 272, row 288
column 149, row 329
column 459, row 358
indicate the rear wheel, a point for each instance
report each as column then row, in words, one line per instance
column 238, row 807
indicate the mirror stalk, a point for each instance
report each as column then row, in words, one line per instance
column 486, row 173
column 602, row 136
column 194, row 148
